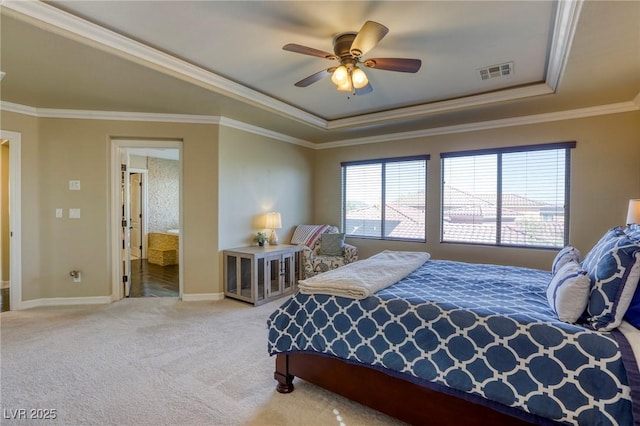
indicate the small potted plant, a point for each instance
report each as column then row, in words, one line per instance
column 261, row 238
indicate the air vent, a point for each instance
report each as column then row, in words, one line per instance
column 493, row 71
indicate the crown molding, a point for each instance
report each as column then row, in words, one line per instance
column 442, row 106
column 151, row 117
column 250, row 128
column 53, row 19
column 567, row 15
column 621, row 107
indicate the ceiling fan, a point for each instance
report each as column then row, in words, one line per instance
column 348, row 49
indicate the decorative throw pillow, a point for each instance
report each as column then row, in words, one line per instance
column 632, row 315
column 592, row 256
column 308, row 234
column 614, row 269
column 331, row 244
column 568, row 292
column 633, row 231
column 564, row 256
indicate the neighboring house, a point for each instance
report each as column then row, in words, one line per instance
column 466, row 218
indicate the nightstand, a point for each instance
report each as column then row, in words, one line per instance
column 260, row 274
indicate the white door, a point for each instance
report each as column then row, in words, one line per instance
column 135, row 226
column 125, row 222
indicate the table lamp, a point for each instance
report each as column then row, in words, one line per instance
column 633, row 214
column 273, row 222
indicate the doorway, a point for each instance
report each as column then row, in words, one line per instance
column 10, row 221
column 146, row 219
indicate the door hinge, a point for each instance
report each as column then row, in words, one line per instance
column 125, row 279
column 123, row 167
column 124, row 223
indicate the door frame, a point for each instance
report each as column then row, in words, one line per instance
column 115, row 210
column 15, row 219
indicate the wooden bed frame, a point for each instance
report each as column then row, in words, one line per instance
column 404, row 400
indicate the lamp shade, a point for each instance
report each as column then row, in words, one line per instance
column 633, row 214
column 273, row 221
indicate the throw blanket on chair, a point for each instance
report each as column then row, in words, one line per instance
column 361, row 279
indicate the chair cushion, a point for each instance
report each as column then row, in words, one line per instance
column 331, row 244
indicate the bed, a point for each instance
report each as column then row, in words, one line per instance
column 455, row 342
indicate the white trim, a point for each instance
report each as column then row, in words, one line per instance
column 620, row 107
column 200, row 297
column 44, row 15
column 15, row 218
column 66, row 301
column 567, row 16
column 235, row 124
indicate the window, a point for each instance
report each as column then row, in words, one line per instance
column 509, row 196
column 385, row 198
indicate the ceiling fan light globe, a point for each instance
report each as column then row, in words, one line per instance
column 340, row 76
column 346, row 86
column 359, row 78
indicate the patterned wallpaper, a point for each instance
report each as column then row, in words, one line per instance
column 164, row 194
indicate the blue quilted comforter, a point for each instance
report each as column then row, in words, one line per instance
column 481, row 330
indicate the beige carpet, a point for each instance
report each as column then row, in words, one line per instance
column 156, row 361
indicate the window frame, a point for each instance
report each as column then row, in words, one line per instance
column 566, row 146
column 383, row 162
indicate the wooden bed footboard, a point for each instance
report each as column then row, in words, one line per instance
column 404, row 400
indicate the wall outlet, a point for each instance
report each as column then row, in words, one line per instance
column 74, row 213
column 58, row 213
column 77, row 278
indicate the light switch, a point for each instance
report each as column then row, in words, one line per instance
column 58, row 213
column 74, row 185
column 74, row 213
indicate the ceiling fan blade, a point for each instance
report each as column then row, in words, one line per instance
column 394, row 64
column 369, row 35
column 366, row 89
column 313, row 78
column 297, row 48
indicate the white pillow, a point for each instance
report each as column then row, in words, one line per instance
column 568, row 292
column 564, row 256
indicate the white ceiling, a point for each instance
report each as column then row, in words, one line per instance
column 225, row 59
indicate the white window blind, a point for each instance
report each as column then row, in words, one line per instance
column 385, row 199
column 510, row 196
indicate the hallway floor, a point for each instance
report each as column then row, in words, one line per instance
column 149, row 280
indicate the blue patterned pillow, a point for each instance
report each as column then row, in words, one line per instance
column 592, row 256
column 614, row 269
column 564, row 256
column 568, row 292
column 331, row 244
column 633, row 231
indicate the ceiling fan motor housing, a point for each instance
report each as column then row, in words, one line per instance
column 342, row 45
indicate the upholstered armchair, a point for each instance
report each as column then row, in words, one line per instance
column 324, row 249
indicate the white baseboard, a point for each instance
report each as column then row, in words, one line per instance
column 64, row 301
column 196, row 297
column 4, row 284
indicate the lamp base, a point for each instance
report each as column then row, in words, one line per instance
column 273, row 239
